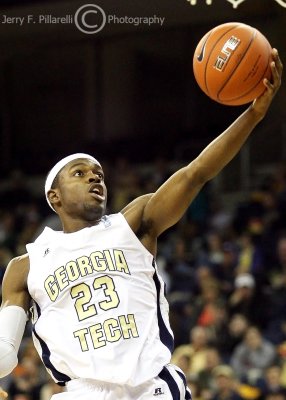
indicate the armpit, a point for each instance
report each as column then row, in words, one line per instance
column 144, row 229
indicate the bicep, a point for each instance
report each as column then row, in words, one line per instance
column 14, row 286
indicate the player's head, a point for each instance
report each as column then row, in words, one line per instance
column 75, row 187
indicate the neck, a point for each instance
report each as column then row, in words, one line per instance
column 77, row 225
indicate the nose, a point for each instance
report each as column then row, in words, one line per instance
column 93, row 177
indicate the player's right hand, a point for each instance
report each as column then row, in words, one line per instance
column 262, row 103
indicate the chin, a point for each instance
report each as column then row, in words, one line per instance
column 94, row 213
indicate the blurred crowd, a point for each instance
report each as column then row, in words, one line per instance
column 225, row 274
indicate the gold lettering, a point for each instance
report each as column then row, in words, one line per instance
column 51, row 287
column 120, row 262
column 61, row 277
column 109, row 260
column 72, row 271
column 81, row 335
column 82, row 294
column 98, row 261
column 112, row 330
column 97, row 336
column 128, row 326
column 84, row 266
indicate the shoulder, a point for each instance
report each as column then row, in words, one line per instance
column 134, row 211
column 20, row 261
column 18, row 268
column 137, row 204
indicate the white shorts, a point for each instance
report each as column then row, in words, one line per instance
column 170, row 384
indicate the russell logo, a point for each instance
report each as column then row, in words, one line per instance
column 158, row 391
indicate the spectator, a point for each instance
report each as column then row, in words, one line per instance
column 226, row 384
column 225, row 271
column 207, row 302
column 277, row 274
column 180, row 268
column 250, row 358
column 272, row 381
column 205, row 378
column 251, row 301
column 250, row 258
column 220, row 218
column 236, row 329
column 196, row 351
column 275, row 396
column 26, row 381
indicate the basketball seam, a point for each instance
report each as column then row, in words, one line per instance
column 210, row 53
column 230, row 76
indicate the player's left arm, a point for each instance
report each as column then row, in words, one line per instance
column 167, row 205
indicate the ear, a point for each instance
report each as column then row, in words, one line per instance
column 53, row 196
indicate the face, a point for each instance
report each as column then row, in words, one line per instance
column 81, row 192
column 212, row 358
column 273, row 375
column 238, row 325
column 198, row 336
column 223, row 382
column 253, row 338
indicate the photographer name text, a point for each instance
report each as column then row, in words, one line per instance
column 36, row 19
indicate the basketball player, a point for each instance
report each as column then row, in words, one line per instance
column 100, row 318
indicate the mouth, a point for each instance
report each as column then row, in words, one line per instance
column 97, row 192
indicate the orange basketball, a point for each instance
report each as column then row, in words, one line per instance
column 230, row 62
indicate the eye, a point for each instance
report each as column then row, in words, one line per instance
column 100, row 175
column 78, row 172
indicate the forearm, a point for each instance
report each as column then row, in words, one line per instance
column 12, row 326
column 224, row 148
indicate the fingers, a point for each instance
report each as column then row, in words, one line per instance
column 277, row 67
column 272, row 86
column 276, row 71
column 277, row 60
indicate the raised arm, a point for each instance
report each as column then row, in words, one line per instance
column 15, row 304
column 171, row 200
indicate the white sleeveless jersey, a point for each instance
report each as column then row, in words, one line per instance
column 99, row 306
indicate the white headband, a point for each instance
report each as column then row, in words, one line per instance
column 59, row 165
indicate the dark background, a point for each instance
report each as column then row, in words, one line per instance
column 125, row 91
